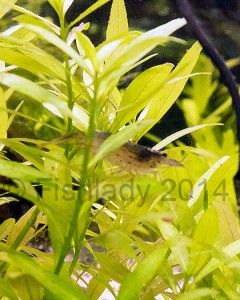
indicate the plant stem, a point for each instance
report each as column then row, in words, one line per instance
column 68, row 83
column 81, row 204
column 84, row 205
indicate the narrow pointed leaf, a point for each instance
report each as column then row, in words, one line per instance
column 35, row 91
column 20, row 171
column 61, row 287
column 203, row 239
column 57, row 197
column 169, row 93
column 6, row 6
column 140, row 92
column 177, row 135
column 7, row 290
column 88, row 11
column 118, row 22
column 117, row 140
column 6, row 227
column 66, row 5
column 146, row 271
column 3, row 115
column 134, row 51
column 57, row 42
column 199, row 186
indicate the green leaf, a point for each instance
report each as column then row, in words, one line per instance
column 25, row 286
column 7, row 290
column 124, row 57
column 80, row 118
column 228, row 223
column 107, row 50
column 6, row 227
column 88, row 11
column 20, row 225
column 200, row 184
column 118, row 22
column 22, row 189
column 20, row 171
column 144, row 273
column 31, row 58
column 95, row 287
column 58, row 198
column 35, row 91
column 217, row 184
column 3, row 115
column 57, row 42
column 168, row 231
column 25, row 151
column 61, row 287
column 227, row 252
column 117, row 140
column 220, row 185
column 20, row 33
column 86, row 49
column 203, row 240
column 232, row 249
column 112, row 268
column 202, row 87
column 141, row 92
column 118, row 241
column 58, row 6
column 179, row 134
column 199, row 293
column 224, row 282
column 169, row 93
column 25, row 14
column 6, row 6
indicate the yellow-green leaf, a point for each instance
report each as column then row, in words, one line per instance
column 179, row 134
column 61, row 287
column 128, row 52
column 117, row 140
column 35, row 91
column 21, row 172
column 204, row 238
column 7, row 290
column 5, row 6
column 169, row 93
column 88, row 11
column 118, row 22
column 19, row 226
column 57, row 5
column 3, row 115
column 57, row 42
column 25, row 286
column 6, row 227
column 142, row 90
column 228, row 225
column 142, row 275
column 58, row 199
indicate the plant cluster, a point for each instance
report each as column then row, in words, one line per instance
column 173, row 232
